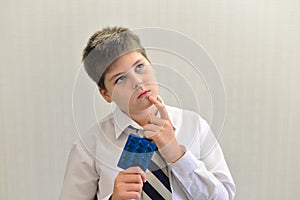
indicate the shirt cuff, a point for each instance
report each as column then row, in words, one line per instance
column 187, row 163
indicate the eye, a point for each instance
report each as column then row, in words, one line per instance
column 120, row 79
column 139, row 67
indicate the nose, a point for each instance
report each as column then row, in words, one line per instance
column 136, row 81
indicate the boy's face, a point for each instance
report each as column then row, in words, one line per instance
column 129, row 81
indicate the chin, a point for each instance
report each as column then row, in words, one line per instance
column 145, row 104
column 141, row 107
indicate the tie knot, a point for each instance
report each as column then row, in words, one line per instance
column 139, row 132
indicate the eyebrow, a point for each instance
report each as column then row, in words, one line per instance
column 118, row 74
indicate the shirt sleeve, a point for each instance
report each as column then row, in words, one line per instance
column 207, row 177
column 81, row 177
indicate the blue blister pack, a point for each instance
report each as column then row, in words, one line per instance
column 137, row 152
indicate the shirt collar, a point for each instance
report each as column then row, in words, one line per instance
column 122, row 120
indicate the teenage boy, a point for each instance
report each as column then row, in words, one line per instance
column 195, row 167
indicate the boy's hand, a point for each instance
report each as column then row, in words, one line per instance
column 128, row 184
column 161, row 131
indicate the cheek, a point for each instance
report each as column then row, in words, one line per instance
column 151, row 76
column 122, row 97
column 152, row 83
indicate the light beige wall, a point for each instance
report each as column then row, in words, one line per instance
column 254, row 43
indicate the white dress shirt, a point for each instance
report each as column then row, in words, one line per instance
column 201, row 173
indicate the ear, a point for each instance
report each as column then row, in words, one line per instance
column 105, row 95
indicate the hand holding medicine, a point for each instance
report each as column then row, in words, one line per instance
column 128, row 184
column 161, row 131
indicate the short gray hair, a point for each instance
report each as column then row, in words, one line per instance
column 104, row 47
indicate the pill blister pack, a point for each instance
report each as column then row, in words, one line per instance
column 137, row 152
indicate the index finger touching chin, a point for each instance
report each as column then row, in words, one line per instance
column 161, row 108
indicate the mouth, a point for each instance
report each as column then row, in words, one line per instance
column 144, row 94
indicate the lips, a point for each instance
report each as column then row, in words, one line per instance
column 144, row 94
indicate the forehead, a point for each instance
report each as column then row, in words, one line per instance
column 124, row 62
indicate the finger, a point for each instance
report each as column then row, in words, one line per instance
column 133, row 187
column 152, row 127
column 144, row 178
column 132, row 178
column 136, row 170
column 132, row 195
column 156, row 120
column 151, row 134
column 161, row 108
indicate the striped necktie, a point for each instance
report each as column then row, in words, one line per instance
column 157, row 186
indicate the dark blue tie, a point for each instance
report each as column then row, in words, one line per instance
column 157, row 186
